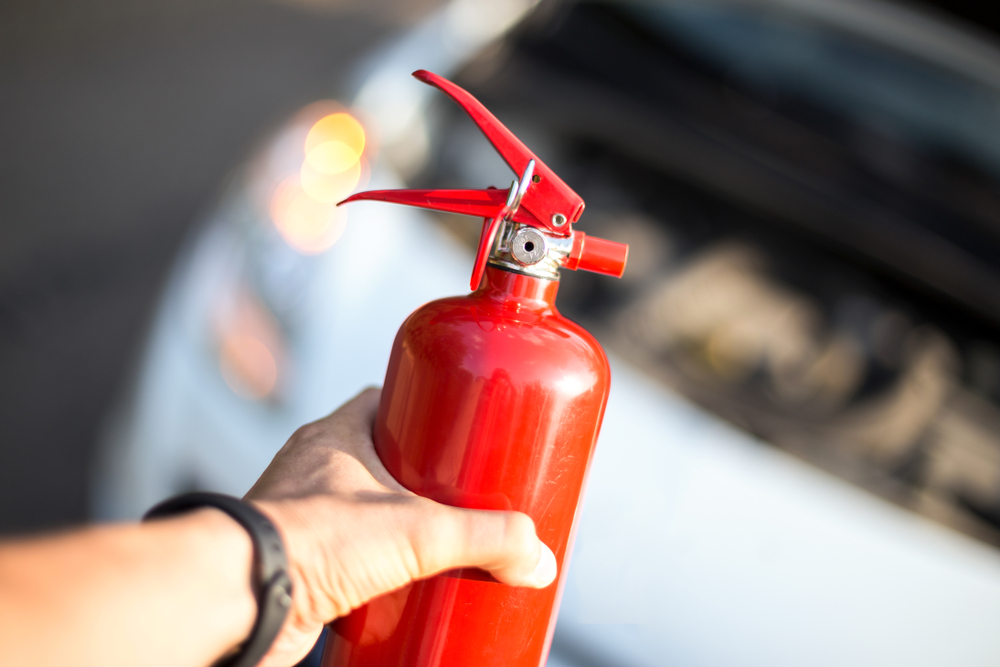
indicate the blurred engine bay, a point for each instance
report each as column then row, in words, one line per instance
column 813, row 213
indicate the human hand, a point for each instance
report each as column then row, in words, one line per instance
column 353, row 533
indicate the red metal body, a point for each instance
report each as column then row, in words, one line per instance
column 491, row 401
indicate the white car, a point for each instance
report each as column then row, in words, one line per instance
column 699, row 544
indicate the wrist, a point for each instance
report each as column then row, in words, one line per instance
column 299, row 521
column 234, row 563
column 283, row 516
column 221, row 552
column 271, row 583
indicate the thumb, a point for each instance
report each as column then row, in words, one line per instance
column 502, row 543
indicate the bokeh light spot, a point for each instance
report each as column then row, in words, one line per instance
column 326, row 187
column 247, row 366
column 337, row 127
column 332, row 157
column 308, row 225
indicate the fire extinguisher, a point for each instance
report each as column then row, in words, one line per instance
column 492, row 400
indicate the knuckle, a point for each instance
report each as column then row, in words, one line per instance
column 307, row 433
column 371, row 392
column 431, row 534
column 520, row 534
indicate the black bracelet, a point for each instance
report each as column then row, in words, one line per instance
column 273, row 587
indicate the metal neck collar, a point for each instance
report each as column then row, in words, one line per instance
column 530, row 251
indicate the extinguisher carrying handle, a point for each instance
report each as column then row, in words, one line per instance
column 273, row 586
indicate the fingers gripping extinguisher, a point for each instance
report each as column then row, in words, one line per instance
column 492, row 400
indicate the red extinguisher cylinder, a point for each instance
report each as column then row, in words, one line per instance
column 491, row 401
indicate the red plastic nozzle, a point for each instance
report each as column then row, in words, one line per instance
column 591, row 253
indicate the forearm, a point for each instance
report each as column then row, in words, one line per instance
column 174, row 593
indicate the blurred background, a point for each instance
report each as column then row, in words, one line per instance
column 801, row 458
column 118, row 123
